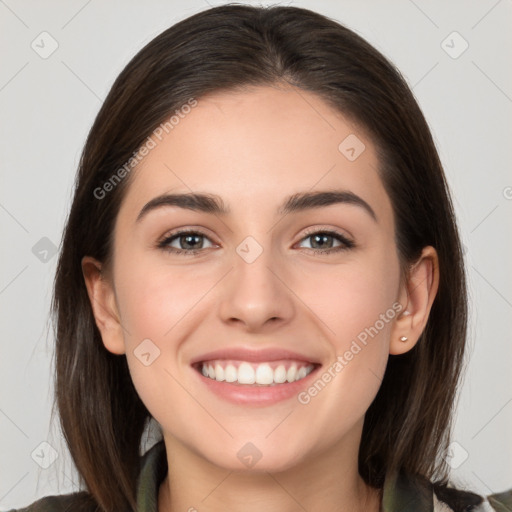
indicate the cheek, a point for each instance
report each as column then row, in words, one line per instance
column 154, row 298
column 357, row 307
column 351, row 297
column 160, row 304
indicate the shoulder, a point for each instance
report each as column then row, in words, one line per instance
column 449, row 498
column 459, row 500
column 152, row 470
column 76, row 502
column 414, row 492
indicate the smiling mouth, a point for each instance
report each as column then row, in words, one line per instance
column 243, row 373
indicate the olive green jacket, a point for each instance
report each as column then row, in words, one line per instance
column 400, row 493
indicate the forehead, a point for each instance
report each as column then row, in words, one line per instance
column 255, row 147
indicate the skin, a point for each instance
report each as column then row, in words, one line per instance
column 254, row 149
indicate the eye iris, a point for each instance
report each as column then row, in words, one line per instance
column 185, row 241
column 322, row 237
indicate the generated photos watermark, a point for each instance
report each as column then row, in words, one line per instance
column 304, row 397
column 150, row 143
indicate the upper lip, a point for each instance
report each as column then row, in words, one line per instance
column 256, row 356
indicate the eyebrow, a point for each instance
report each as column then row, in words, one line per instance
column 213, row 204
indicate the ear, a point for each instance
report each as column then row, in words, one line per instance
column 103, row 303
column 418, row 294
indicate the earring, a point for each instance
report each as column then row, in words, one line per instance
column 403, row 338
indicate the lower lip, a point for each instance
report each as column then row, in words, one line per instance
column 245, row 394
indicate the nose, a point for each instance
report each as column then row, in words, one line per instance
column 256, row 294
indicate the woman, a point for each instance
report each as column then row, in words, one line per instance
column 282, row 375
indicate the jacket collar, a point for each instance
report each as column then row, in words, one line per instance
column 400, row 492
column 407, row 493
column 153, row 469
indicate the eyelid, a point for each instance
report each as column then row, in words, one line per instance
column 326, row 229
column 184, row 230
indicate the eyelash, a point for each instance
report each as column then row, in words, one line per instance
column 347, row 244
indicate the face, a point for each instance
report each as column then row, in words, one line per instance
column 257, row 291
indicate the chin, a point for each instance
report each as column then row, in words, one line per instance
column 250, row 457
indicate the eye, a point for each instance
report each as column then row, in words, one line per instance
column 322, row 242
column 188, row 242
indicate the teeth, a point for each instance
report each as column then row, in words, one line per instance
column 253, row 373
column 231, row 373
column 264, row 374
column 246, row 374
column 219, row 372
column 280, row 374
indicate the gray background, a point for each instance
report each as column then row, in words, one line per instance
column 48, row 104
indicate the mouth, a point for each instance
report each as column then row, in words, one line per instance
column 262, row 374
column 250, row 377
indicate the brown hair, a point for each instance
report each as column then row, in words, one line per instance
column 230, row 47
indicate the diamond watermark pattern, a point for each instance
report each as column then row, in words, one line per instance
column 249, row 455
column 456, row 455
column 44, row 45
column 249, row 250
column 44, row 455
column 146, row 352
column 44, row 250
column 454, row 45
column 351, row 147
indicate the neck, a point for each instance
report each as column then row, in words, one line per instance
column 329, row 482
